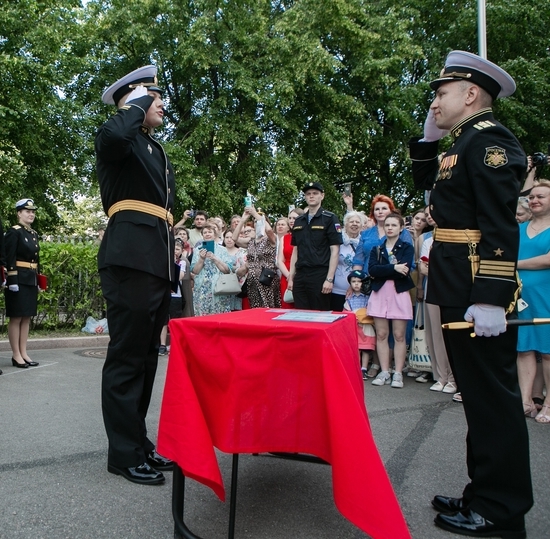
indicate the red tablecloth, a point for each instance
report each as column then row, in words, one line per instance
column 245, row 383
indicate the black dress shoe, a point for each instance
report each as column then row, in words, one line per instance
column 470, row 523
column 31, row 363
column 159, row 462
column 19, row 365
column 444, row 504
column 142, row 474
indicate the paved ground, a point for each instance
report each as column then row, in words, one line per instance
column 54, row 483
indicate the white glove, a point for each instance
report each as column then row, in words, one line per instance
column 431, row 131
column 14, row 287
column 136, row 93
column 489, row 320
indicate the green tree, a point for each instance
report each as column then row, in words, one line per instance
column 41, row 151
column 262, row 95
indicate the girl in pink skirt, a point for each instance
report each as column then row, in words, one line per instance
column 389, row 266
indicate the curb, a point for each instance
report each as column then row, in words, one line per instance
column 62, row 342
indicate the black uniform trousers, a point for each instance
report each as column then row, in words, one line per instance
column 497, row 442
column 137, row 308
column 307, row 289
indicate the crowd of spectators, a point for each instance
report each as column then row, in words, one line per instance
column 383, row 259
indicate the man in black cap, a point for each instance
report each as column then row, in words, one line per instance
column 316, row 237
column 135, row 265
column 474, row 191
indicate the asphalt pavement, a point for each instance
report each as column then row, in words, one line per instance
column 54, row 482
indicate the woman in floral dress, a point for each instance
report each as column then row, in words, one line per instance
column 207, row 266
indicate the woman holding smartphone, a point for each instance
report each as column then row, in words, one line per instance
column 210, row 260
column 260, row 254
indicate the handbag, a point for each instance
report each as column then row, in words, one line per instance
column 288, row 296
column 366, row 286
column 267, row 276
column 419, row 353
column 244, row 290
column 42, row 281
column 227, row 285
column 363, row 316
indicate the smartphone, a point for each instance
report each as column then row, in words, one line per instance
column 192, row 213
column 347, row 189
column 408, row 220
column 247, row 201
column 208, row 245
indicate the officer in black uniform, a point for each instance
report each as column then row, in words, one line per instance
column 22, row 264
column 135, row 265
column 316, row 236
column 472, row 277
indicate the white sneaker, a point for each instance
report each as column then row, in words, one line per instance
column 397, row 380
column 423, row 378
column 382, row 378
column 438, row 386
column 449, row 388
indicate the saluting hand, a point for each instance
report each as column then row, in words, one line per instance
column 431, row 131
column 136, row 93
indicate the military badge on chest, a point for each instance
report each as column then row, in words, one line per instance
column 446, row 166
column 495, row 157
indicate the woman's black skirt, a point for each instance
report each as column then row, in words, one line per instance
column 22, row 303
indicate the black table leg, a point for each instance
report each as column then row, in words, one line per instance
column 181, row 531
column 233, row 500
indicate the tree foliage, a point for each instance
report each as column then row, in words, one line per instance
column 42, row 153
column 261, row 96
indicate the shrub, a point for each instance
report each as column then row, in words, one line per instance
column 74, row 291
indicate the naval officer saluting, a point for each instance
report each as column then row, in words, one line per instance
column 472, row 276
column 135, row 262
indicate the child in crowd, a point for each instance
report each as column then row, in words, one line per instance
column 390, row 265
column 176, row 299
column 357, row 303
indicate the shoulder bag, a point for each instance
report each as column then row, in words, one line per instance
column 267, row 276
column 227, row 285
column 419, row 353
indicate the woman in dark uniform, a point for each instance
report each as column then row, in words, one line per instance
column 21, row 243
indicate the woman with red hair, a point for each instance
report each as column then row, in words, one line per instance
column 381, row 206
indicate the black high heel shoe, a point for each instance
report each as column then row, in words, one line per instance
column 19, row 365
column 31, row 363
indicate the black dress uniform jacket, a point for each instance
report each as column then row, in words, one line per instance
column 476, row 187
column 21, row 244
column 2, row 248
column 131, row 164
column 314, row 239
